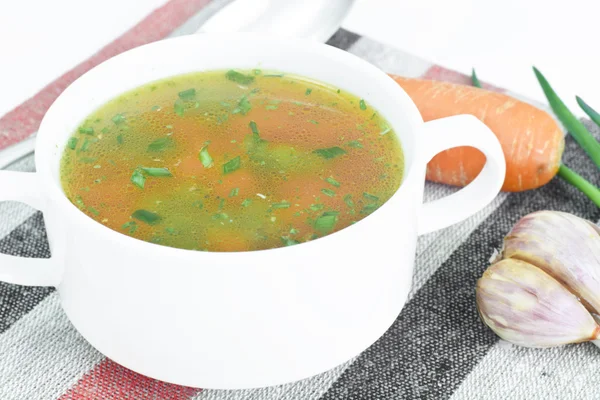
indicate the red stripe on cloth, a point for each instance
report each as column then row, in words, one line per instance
column 111, row 381
column 438, row 73
column 25, row 119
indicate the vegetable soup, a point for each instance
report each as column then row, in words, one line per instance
column 232, row 161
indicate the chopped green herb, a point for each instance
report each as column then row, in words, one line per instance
column 332, row 181
column 374, row 115
column 79, row 202
column 85, row 146
column 369, row 208
column 348, row 200
column 289, row 241
column 283, row 204
column 93, row 210
column 155, row 108
column 160, row 144
column 254, row 128
column 97, row 166
column 120, row 139
column 386, row 130
column 232, row 165
column 72, row 143
column 246, row 202
column 234, row 192
column 330, row 152
column 271, row 107
column 86, row 131
column 257, row 71
column 206, row 159
column 179, row 107
column 243, row 106
column 146, row 216
column 198, row 204
column 338, row 90
column 238, row 77
column 354, row 143
column 118, row 119
column 187, row 95
column 220, row 216
column 371, row 197
column 131, row 226
column 316, row 207
column 474, row 79
column 334, row 213
column 221, row 204
column 363, row 105
column 158, row 172
column 293, row 231
column 308, row 91
column 312, row 121
column 105, row 129
column 328, row 192
column 138, row 179
column 88, row 160
column 172, row 231
column 325, row 223
column 273, row 75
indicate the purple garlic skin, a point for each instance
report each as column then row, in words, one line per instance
column 524, row 305
column 562, row 245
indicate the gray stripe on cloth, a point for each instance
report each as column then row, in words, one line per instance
column 343, row 39
column 12, row 214
column 27, row 240
column 438, row 338
column 43, row 355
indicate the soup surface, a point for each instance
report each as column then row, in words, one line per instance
column 232, row 161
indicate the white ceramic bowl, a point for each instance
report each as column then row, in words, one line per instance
column 247, row 319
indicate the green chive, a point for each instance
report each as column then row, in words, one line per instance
column 179, row 108
column 271, row 107
column 257, row 71
column 332, row 181
column 328, row 192
column 120, row 139
column 146, row 216
column 348, row 200
column 118, row 119
column 308, row 91
column 316, row 207
column 221, row 204
column 253, row 128
column 243, row 106
column 158, row 172
column 246, row 202
column 363, row 105
column 273, row 76
column 334, row 213
column 312, row 121
column 79, row 202
column 232, row 165
column 591, row 191
column 85, row 145
column 385, row 131
column 198, row 204
column 338, row 90
column 138, row 179
column 330, row 152
column 369, row 208
column 289, row 241
column 325, row 223
column 234, row 192
column 86, row 131
column 187, row 95
column 293, row 231
column 72, row 143
column 206, row 159
column 573, row 125
column 593, row 114
column 172, row 231
column 160, row 144
column 105, row 129
column 238, row 77
column 474, row 79
column 93, row 210
column 354, row 143
column 283, row 204
column 371, row 197
column 131, row 225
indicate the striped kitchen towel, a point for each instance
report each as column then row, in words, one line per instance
column 436, row 349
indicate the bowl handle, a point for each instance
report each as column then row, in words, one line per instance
column 24, row 187
column 444, row 134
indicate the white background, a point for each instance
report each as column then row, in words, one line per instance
column 41, row 39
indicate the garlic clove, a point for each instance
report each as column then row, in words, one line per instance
column 524, row 305
column 564, row 246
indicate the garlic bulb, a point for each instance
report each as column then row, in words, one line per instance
column 545, row 284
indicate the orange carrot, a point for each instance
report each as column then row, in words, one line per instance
column 531, row 139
